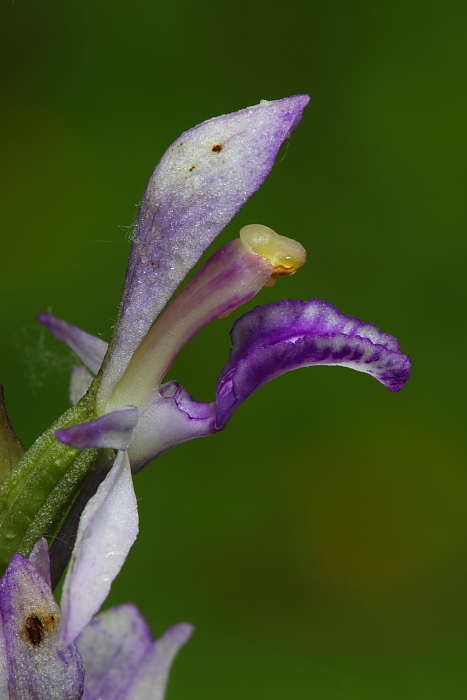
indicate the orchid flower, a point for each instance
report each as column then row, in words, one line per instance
column 125, row 414
column 114, row 657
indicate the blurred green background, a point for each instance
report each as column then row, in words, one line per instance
column 319, row 544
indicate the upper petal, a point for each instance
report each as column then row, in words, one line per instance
column 106, row 532
column 274, row 339
column 200, row 183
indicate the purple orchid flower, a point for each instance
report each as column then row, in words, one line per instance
column 115, row 656
column 198, row 186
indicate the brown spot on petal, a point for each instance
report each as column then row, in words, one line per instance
column 217, row 148
column 34, row 630
column 192, row 168
column 36, row 627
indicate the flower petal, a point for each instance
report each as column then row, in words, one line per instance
column 90, row 350
column 36, row 667
column 114, row 429
column 80, row 382
column 199, row 185
column 106, row 532
column 170, row 419
column 112, row 647
column 153, row 674
column 121, row 659
column 274, row 339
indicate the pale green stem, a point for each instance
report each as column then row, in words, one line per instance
column 36, row 495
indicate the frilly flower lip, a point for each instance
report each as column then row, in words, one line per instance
column 279, row 337
column 114, row 656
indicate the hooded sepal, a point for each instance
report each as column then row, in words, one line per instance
column 199, row 185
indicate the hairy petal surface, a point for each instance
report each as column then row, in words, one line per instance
column 170, row 419
column 107, row 529
column 120, row 655
column 274, row 339
column 114, row 429
column 90, row 350
column 199, row 185
column 32, row 665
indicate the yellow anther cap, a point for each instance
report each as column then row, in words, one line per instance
column 284, row 254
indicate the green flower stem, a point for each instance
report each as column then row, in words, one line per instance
column 36, row 495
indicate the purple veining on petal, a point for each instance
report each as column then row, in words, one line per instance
column 199, row 185
column 107, row 529
column 90, row 350
column 40, row 559
column 112, row 647
column 274, row 339
column 170, row 419
column 114, row 429
column 37, row 668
